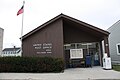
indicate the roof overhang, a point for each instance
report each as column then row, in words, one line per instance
column 71, row 21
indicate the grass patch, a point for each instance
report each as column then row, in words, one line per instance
column 116, row 67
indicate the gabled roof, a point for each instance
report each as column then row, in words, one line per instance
column 11, row 49
column 62, row 16
column 114, row 25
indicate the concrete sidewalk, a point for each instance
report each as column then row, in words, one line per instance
column 69, row 74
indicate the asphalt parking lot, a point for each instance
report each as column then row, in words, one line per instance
column 68, row 74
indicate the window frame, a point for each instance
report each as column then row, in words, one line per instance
column 118, row 50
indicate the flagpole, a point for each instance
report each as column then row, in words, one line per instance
column 22, row 28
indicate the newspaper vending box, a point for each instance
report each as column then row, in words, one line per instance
column 106, row 62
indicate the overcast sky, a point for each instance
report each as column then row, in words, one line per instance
column 100, row 13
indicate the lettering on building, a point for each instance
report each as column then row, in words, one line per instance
column 43, row 48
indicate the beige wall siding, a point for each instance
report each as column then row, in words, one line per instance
column 114, row 38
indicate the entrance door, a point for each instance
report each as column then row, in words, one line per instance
column 90, row 49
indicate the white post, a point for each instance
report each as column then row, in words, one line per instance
column 22, row 27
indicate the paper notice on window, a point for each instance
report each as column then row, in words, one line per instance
column 76, row 53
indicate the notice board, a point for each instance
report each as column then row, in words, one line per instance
column 76, row 53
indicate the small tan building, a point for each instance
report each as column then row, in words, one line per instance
column 67, row 38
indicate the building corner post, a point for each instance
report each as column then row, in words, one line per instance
column 106, row 46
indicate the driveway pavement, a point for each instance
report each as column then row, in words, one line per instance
column 68, row 74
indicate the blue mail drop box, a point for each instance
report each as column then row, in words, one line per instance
column 88, row 60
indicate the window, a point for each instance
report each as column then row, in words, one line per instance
column 4, row 52
column 73, row 46
column 66, row 46
column 118, row 48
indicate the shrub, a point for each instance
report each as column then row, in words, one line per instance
column 31, row 64
column 116, row 67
